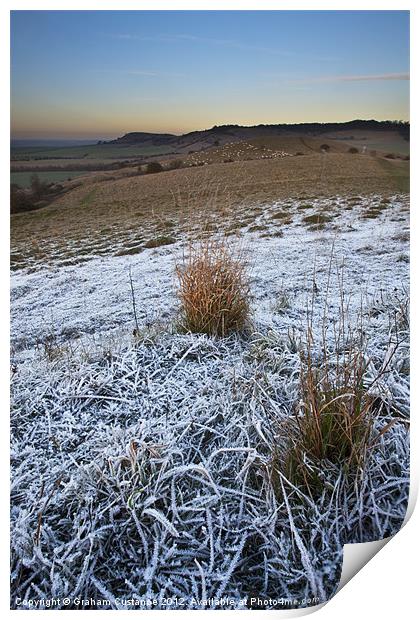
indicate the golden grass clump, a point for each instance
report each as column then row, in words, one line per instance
column 334, row 419
column 333, row 424
column 213, row 288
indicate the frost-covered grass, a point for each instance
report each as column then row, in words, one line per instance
column 142, row 466
column 94, row 298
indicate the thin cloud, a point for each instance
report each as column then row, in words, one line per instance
column 152, row 73
column 357, row 78
column 227, row 43
column 123, row 36
column 177, row 38
column 138, row 72
column 142, row 73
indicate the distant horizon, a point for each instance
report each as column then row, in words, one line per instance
column 95, row 138
column 97, row 74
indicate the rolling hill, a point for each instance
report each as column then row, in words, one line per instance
column 235, row 133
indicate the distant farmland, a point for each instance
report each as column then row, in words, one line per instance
column 93, row 151
column 23, row 179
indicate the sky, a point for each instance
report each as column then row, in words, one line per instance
column 100, row 74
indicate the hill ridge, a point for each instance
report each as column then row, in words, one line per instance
column 240, row 132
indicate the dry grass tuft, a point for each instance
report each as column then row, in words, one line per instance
column 334, row 419
column 213, row 288
column 333, row 427
column 159, row 241
column 316, row 218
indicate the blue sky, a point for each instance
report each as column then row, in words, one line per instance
column 101, row 73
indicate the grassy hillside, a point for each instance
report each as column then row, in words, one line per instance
column 383, row 141
column 111, row 214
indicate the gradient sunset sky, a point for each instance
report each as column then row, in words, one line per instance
column 100, row 74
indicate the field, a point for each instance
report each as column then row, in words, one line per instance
column 57, row 165
column 94, row 151
column 123, row 422
column 383, row 141
column 23, row 179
